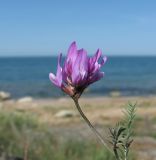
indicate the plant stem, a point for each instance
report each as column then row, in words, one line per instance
column 116, row 153
column 126, row 153
column 90, row 125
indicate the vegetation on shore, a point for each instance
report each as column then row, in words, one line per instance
column 23, row 136
column 28, row 129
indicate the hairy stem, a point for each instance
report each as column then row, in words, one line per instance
column 90, row 125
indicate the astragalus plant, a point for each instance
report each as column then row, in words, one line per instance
column 77, row 73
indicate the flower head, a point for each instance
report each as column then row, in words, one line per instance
column 78, row 71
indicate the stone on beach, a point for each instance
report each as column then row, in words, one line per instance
column 66, row 113
column 4, row 95
column 115, row 94
column 24, row 100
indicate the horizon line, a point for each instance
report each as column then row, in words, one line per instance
column 40, row 56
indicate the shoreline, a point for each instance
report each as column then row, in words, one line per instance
column 82, row 98
column 100, row 110
column 87, row 97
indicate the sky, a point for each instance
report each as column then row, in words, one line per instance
column 47, row 27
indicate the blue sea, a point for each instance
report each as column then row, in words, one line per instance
column 28, row 76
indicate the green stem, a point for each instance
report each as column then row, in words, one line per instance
column 90, row 125
column 126, row 153
column 116, row 154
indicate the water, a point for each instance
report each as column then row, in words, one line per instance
column 29, row 77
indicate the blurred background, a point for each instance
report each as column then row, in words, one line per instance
column 32, row 34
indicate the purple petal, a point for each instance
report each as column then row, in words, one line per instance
column 94, row 59
column 70, row 60
column 59, row 69
column 57, row 80
column 75, row 69
column 104, row 59
column 97, row 66
column 67, row 70
column 72, row 53
column 84, row 62
column 97, row 55
column 96, row 77
column 80, row 67
column 53, row 79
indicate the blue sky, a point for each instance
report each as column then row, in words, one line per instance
column 47, row 27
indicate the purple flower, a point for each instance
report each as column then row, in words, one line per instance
column 78, row 72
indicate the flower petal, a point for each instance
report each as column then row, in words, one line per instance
column 53, row 79
column 94, row 60
column 95, row 77
column 70, row 60
column 59, row 69
column 97, row 55
column 104, row 59
column 57, row 80
column 72, row 53
column 80, row 67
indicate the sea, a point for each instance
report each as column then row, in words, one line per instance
column 28, row 76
